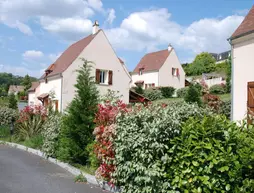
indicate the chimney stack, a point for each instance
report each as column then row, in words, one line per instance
column 170, row 47
column 95, row 27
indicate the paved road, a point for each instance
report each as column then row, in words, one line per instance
column 22, row 172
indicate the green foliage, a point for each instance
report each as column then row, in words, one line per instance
column 153, row 94
column 7, row 115
column 181, row 92
column 167, row 92
column 26, row 82
column 34, row 142
column 93, row 162
column 228, row 79
column 139, row 90
column 225, row 108
column 198, row 87
column 141, row 144
column 217, row 89
column 193, row 95
column 12, row 102
column 222, row 67
column 4, row 131
column 210, row 155
column 80, row 178
column 203, row 63
column 112, row 96
column 51, row 131
column 78, row 123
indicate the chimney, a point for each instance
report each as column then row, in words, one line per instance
column 95, row 27
column 170, row 47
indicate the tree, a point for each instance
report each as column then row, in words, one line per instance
column 228, row 79
column 193, row 95
column 78, row 124
column 203, row 63
column 27, row 83
column 12, row 102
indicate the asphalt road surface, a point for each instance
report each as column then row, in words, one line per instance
column 22, row 172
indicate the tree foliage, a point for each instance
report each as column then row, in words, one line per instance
column 78, row 124
column 12, row 102
column 26, row 82
column 193, row 95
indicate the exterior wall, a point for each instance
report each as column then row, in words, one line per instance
column 32, row 97
column 165, row 73
column 53, row 85
column 147, row 77
column 242, row 73
column 102, row 54
column 214, row 81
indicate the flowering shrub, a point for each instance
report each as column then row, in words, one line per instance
column 30, row 122
column 153, row 94
column 212, row 101
column 7, row 115
column 105, row 134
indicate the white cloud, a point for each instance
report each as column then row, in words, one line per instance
column 111, row 16
column 96, row 4
column 32, row 54
column 20, row 70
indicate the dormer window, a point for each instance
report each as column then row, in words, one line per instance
column 140, row 71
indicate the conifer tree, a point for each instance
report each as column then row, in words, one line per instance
column 78, row 124
column 193, row 95
column 12, row 102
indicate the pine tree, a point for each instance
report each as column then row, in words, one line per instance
column 78, row 124
column 193, row 95
column 27, row 83
column 12, row 102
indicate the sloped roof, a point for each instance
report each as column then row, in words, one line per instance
column 69, row 55
column 121, row 61
column 16, row 88
column 247, row 25
column 152, row 61
column 34, row 86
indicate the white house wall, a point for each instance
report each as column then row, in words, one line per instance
column 147, row 77
column 165, row 73
column 242, row 73
column 31, row 98
column 101, row 53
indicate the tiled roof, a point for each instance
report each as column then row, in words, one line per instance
column 247, row 26
column 152, row 61
column 69, row 55
column 34, row 86
column 16, row 88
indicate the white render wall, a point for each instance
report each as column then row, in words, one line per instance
column 102, row 54
column 54, row 84
column 31, row 98
column 147, row 77
column 242, row 73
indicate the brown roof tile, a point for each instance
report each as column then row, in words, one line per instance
column 16, row 88
column 34, row 86
column 152, row 61
column 69, row 55
column 247, row 25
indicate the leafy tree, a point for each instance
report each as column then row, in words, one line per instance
column 203, row 63
column 27, row 83
column 228, row 79
column 12, row 102
column 139, row 90
column 78, row 124
column 193, row 95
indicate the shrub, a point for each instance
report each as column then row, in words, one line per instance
column 51, row 131
column 141, row 144
column 218, row 89
column 167, row 92
column 34, row 142
column 209, row 155
column 139, row 90
column 30, row 122
column 12, row 102
column 212, row 101
column 181, row 92
column 193, row 95
column 7, row 115
column 199, row 87
column 4, row 131
column 78, row 123
column 153, row 94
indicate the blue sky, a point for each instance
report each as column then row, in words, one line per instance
column 33, row 33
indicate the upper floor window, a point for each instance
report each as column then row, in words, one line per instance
column 104, row 76
column 140, row 71
column 175, row 71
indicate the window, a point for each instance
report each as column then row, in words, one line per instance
column 104, row 77
column 175, row 71
column 151, row 85
column 140, row 72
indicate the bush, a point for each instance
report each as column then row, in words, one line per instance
column 218, row 89
column 4, row 131
column 167, row 92
column 51, row 131
column 225, row 108
column 198, row 87
column 139, row 90
column 193, row 95
column 153, row 94
column 12, row 102
column 210, row 155
column 34, row 142
column 78, row 123
column 181, row 92
column 141, row 144
column 7, row 115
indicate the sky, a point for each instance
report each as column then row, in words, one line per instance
column 33, row 33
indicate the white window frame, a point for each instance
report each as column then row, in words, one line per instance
column 105, row 75
column 174, row 71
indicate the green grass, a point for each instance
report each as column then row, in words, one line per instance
column 86, row 169
column 3, row 101
column 4, row 133
column 225, row 97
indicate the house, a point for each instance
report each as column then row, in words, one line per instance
column 15, row 89
column 33, row 93
column 221, row 57
column 57, row 83
column 161, row 68
column 242, row 46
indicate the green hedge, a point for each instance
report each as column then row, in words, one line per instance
column 7, row 115
column 167, row 92
column 217, row 89
column 153, row 94
column 182, row 92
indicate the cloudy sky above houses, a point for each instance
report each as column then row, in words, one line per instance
column 33, row 33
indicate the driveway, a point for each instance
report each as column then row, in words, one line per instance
column 22, row 172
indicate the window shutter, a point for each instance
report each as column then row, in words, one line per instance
column 178, row 72
column 173, row 71
column 97, row 76
column 153, row 85
column 110, row 77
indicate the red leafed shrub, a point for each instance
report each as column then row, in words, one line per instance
column 212, row 101
column 30, row 111
column 105, row 134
